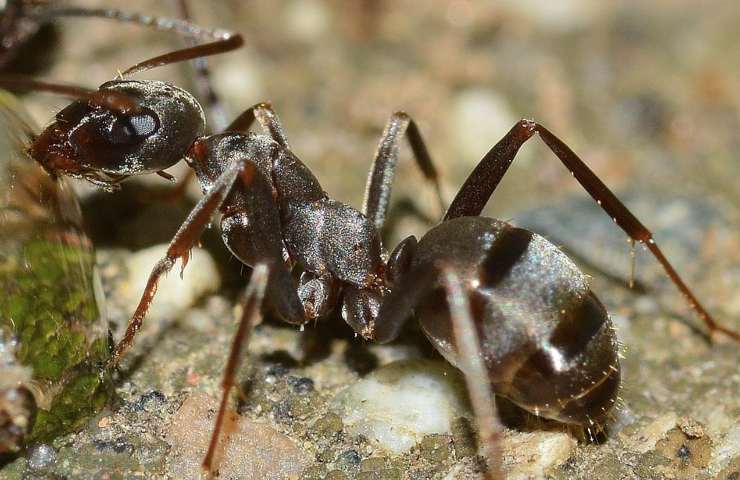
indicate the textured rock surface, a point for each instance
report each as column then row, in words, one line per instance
column 252, row 450
column 643, row 91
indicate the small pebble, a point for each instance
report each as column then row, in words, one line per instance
column 349, row 460
column 300, row 385
column 435, row 448
column 174, row 294
column 251, row 450
column 42, row 457
column 397, row 405
column 533, row 455
column 336, row 475
column 463, row 438
column 328, row 425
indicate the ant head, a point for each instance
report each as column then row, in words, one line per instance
column 126, row 127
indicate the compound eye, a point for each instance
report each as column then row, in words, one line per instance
column 132, row 129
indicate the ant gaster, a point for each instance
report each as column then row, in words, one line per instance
column 502, row 303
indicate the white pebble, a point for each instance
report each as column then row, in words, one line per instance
column 174, row 295
column 41, row 457
column 533, row 455
column 559, row 16
column 480, row 118
column 397, row 405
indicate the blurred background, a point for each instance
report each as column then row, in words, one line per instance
column 645, row 92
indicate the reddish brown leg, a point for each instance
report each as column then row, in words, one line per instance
column 398, row 307
column 476, row 376
column 484, row 179
column 267, row 118
column 255, row 295
column 180, row 246
column 382, row 172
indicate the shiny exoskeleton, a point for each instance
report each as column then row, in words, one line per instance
column 547, row 341
column 502, row 303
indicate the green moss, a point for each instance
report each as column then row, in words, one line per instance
column 50, row 307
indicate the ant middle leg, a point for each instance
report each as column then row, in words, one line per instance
column 253, row 300
column 382, row 172
column 482, row 182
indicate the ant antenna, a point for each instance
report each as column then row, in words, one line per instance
column 225, row 40
column 22, row 82
column 117, row 101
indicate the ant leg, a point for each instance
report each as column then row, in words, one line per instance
column 180, row 246
column 254, row 297
column 476, row 376
column 627, row 222
column 25, row 83
column 480, row 185
column 398, row 306
column 380, row 178
column 485, row 177
column 267, row 118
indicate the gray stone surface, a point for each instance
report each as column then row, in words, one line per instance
column 644, row 91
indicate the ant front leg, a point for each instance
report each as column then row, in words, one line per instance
column 382, row 172
column 482, row 182
column 179, row 248
column 183, row 241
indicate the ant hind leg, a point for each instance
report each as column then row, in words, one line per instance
column 472, row 363
column 482, row 182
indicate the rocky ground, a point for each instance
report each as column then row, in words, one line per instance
column 643, row 92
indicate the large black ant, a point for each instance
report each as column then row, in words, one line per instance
column 502, row 303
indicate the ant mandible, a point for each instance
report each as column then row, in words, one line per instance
column 506, row 306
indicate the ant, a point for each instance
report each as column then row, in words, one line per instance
column 506, row 306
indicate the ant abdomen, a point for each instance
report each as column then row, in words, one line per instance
column 547, row 341
column 126, row 127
